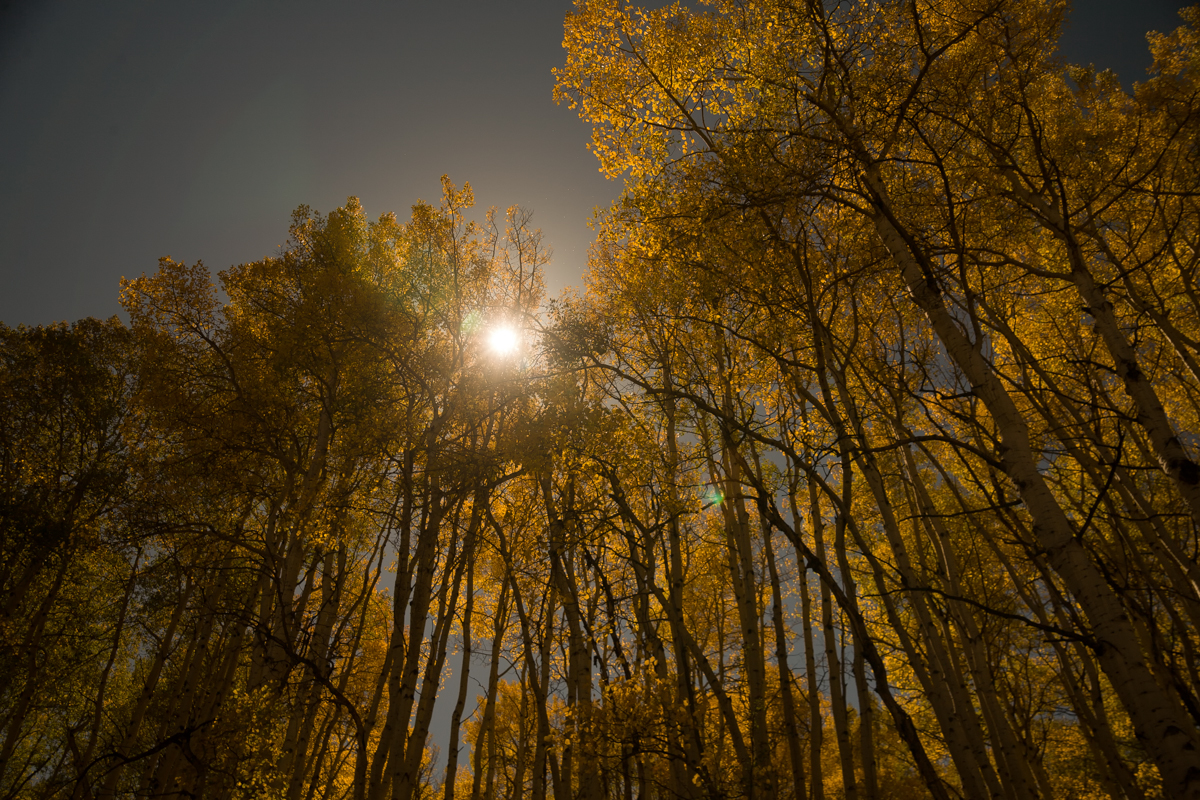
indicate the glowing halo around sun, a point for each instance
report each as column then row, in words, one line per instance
column 503, row 340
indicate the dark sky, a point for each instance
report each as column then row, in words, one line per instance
column 132, row 130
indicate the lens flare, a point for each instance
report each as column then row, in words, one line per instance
column 503, row 340
column 713, row 497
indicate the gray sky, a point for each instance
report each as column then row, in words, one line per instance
column 133, row 130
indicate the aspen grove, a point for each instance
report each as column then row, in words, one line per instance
column 864, row 466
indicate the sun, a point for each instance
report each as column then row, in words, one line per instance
column 503, row 340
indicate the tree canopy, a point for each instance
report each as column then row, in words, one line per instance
column 865, row 466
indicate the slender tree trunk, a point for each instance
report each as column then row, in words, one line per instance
column 579, row 661
column 833, row 672
column 689, row 744
column 463, row 684
column 761, row 784
column 85, row 762
column 113, row 776
column 487, row 726
column 406, row 781
column 790, row 728
column 333, row 579
column 816, row 720
column 398, row 653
